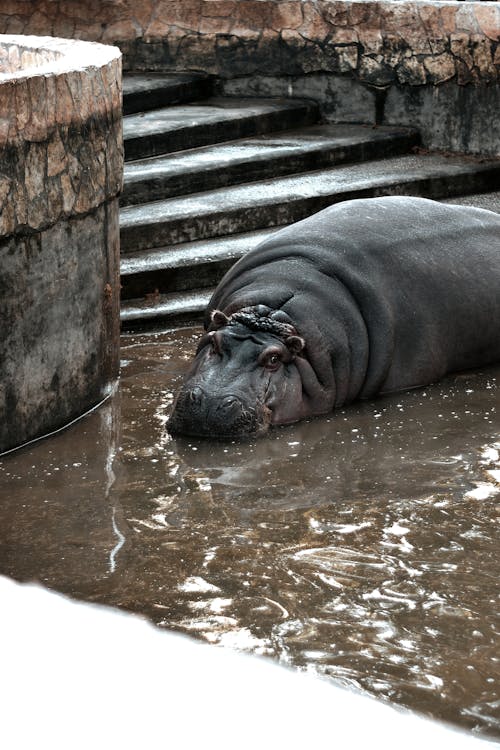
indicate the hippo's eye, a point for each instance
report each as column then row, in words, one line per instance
column 271, row 360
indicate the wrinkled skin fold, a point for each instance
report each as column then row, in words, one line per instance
column 368, row 296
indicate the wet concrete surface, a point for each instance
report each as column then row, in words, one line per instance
column 175, row 128
column 144, row 91
column 489, row 201
column 266, row 156
column 362, row 546
column 283, row 200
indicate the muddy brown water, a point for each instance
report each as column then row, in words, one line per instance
column 362, row 546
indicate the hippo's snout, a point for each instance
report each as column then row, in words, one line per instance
column 197, row 412
column 229, row 405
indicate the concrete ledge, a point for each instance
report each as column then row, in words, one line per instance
column 61, row 160
column 79, row 668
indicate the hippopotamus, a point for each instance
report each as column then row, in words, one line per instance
column 366, row 297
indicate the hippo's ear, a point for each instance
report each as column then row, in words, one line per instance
column 295, row 344
column 219, row 319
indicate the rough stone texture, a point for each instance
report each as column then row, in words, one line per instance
column 325, row 46
column 381, row 42
column 61, row 166
column 60, row 132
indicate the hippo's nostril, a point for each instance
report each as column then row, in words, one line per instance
column 196, row 395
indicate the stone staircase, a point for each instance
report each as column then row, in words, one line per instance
column 207, row 178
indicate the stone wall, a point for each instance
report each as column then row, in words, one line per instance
column 411, row 43
column 61, row 166
column 365, row 61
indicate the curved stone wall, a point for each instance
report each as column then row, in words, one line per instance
column 61, row 166
column 435, row 65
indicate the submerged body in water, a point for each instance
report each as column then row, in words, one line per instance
column 366, row 297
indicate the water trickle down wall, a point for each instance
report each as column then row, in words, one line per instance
column 61, row 165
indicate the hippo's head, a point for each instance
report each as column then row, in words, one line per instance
column 244, row 377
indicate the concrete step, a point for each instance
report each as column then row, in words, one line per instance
column 275, row 202
column 164, row 310
column 489, row 201
column 193, row 265
column 146, row 91
column 211, row 121
column 261, row 157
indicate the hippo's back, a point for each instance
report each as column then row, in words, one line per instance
column 424, row 276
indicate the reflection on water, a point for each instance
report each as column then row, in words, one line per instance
column 361, row 546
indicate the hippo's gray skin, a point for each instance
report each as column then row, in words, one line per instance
column 365, row 297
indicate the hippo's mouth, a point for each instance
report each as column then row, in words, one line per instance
column 198, row 415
